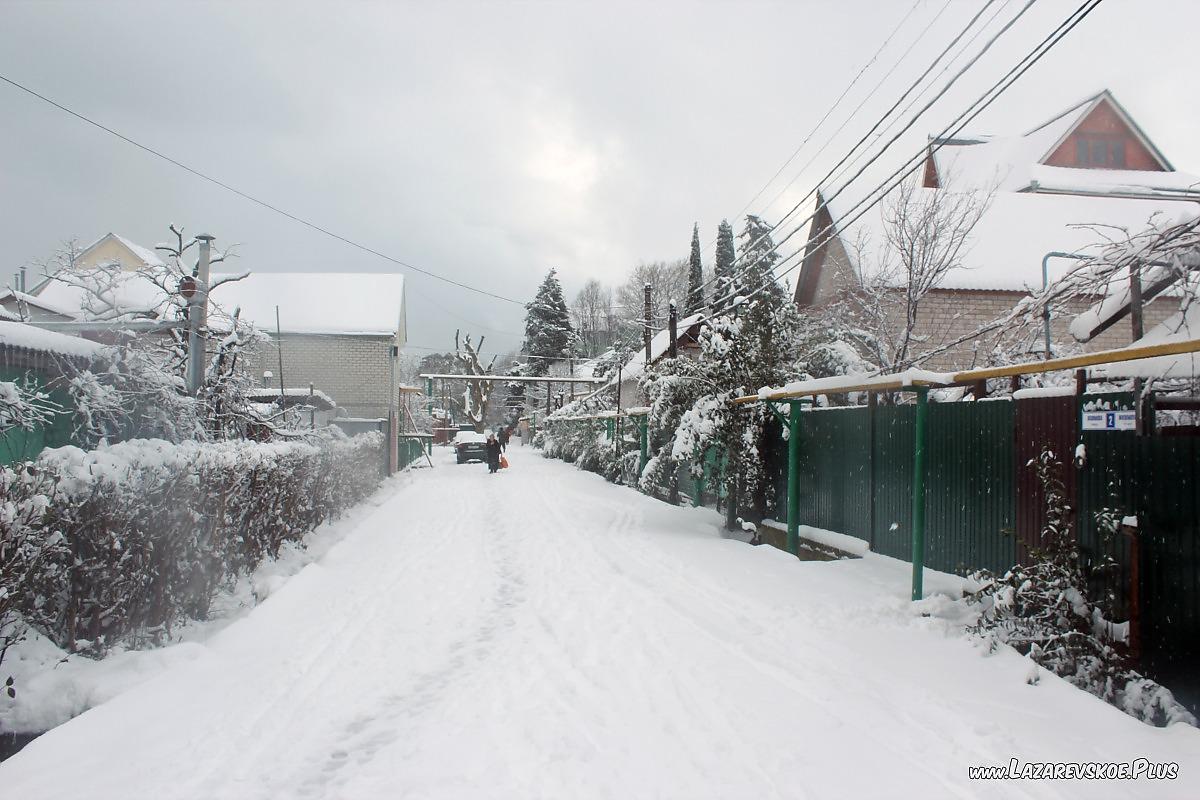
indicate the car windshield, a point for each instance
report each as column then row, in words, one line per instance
column 470, row 437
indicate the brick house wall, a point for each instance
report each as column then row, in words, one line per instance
column 1103, row 124
column 356, row 371
column 947, row 314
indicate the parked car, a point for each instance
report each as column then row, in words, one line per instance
column 470, row 446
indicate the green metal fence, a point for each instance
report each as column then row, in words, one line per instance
column 856, row 478
column 19, row 444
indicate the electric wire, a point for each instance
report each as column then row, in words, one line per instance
column 253, row 199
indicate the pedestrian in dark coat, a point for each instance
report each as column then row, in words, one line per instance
column 504, row 433
column 493, row 453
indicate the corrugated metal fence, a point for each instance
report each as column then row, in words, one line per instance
column 985, row 508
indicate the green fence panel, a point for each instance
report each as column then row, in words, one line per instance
column 834, row 471
column 891, row 463
column 970, row 498
column 19, row 444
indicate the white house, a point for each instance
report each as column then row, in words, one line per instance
column 341, row 331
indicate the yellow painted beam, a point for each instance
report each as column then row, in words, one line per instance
column 970, row 376
column 1085, row 360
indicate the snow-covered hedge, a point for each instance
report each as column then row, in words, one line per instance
column 586, row 443
column 120, row 543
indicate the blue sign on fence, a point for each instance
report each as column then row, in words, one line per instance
column 1109, row 420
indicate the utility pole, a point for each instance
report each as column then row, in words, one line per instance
column 198, row 317
column 647, row 313
column 672, row 331
column 1135, row 300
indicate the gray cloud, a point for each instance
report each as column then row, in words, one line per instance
column 491, row 141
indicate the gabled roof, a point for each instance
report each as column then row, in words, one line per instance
column 1004, row 251
column 1079, row 112
column 660, row 343
column 1017, row 163
column 144, row 254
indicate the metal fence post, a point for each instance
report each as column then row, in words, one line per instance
column 918, row 494
column 793, row 484
column 644, row 437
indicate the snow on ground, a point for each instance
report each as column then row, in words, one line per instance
column 541, row 633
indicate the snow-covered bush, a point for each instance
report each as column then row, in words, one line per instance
column 1043, row 610
column 120, row 543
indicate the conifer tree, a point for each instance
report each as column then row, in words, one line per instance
column 695, row 295
column 548, row 331
column 723, row 263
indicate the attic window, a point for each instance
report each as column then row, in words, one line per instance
column 1104, row 152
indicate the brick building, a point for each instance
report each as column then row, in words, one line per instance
column 341, row 332
column 1067, row 186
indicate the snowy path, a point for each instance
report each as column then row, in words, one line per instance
column 543, row 634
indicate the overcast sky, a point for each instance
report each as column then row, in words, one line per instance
column 488, row 142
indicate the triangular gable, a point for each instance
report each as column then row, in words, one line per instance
column 137, row 255
column 1101, row 114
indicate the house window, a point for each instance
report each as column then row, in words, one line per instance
column 1100, row 151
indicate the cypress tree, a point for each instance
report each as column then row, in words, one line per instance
column 695, row 295
column 723, row 264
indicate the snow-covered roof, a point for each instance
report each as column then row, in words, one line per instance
column 36, row 301
column 1180, row 326
column 1014, row 163
column 1006, row 247
column 348, row 303
column 145, row 254
column 20, row 334
column 114, row 296
column 299, row 395
column 309, row 302
column 659, row 345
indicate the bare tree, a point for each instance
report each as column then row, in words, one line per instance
column 478, row 393
column 668, row 281
column 926, row 234
column 151, row 292
column 593, row 317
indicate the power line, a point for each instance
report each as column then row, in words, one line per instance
column 955, row 127
column 912, row 121
column 254, row 199
column 842, row 127
column 842, row 97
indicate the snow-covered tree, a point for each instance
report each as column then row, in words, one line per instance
column 548, row 331
column 142, row 391
column 723, row 261
column 757, row 342
column 695, row 295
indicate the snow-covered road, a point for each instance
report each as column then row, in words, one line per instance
column 543, row 634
